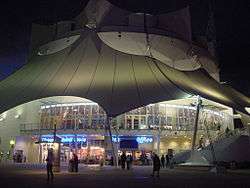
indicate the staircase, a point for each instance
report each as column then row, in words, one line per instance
column 233, row 146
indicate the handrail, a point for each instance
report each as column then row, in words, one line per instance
column 36, row 126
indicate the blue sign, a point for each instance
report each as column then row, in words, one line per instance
column 115, row 139
column 144, row 139
column 65, row 138
column 139, row 139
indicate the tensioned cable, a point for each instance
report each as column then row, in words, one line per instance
column 153, row 73
column 93, row 74
column 113, row 83
column 62, row 64
column 135, row 80
column 153, row 59
column 177, row 86
column 56, row 72
column 78, row 65
column 60, row 67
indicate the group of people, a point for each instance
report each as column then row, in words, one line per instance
column 19, row 158
column 126, row 161
column 73, row 163
column 144, row 159
column 156, row 164
column 165, row 161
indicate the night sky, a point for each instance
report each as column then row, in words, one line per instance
column 232, row 21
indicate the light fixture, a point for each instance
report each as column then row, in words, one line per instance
column 12, row 142
column 247, row 109
column 237, row 116
column 17, row 116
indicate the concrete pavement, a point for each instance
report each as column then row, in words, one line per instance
column 138, row 177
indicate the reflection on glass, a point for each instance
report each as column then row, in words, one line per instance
column 153, row 116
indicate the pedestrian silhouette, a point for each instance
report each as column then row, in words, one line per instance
column 156, row 165
column 50, row 160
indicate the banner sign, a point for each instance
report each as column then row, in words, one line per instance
column 65, row 138
column 139, row 139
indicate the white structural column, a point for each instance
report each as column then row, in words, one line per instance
column 158, row 144
column 108, row 124
column 57, row 151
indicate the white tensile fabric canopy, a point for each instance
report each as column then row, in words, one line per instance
column 118, row 82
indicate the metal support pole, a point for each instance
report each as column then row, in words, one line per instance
column 158, row 144
column 75, row 134
column 108, row 124
column 117, row 143
column 196, row 122
column 198, row 105
column 54, row 132
column 210, row 140
column 57, row 151
column 39, row 141
column 159, row 138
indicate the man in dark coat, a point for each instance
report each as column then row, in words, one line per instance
column 75, row 161
column 50, row 160
column 162, row 161
column 123, row 160
column 167, row 160
column 156, row 164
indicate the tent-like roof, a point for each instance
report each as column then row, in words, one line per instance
column 117, row 81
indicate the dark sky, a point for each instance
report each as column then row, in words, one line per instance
column 232, row 22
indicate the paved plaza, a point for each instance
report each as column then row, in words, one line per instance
column 139, row 177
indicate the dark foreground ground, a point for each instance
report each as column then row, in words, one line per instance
column 139, row 177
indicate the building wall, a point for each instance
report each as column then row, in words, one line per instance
column 177, row 119
column 178, row 144
column 29, row 147
column 12, row 119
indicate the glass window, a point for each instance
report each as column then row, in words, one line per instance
column 129, row 122
column 136, row 122
column 143, row 124
column 102, row 121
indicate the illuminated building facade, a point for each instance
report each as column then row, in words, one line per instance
column 80, row 124
column 124, row 62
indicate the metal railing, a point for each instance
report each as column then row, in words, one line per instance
column 37, row 126
column 230, row 133
column 24, row 127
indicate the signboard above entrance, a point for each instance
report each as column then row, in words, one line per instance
column 65, row 138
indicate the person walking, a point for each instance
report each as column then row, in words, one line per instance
column 156, row 165
column 112, row 161
column 75, row 161
column 50, row 160
column 101, row 161
column 123, row 160
column 167, row 160
column 162, row 161
column 129, row 161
